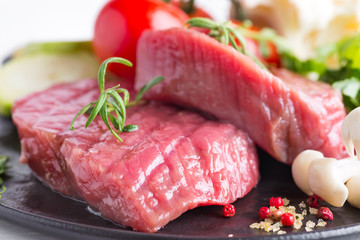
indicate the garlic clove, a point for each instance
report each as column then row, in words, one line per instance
column 350, row 132
column 353, row 186
column 300, row 168
column 325, row 182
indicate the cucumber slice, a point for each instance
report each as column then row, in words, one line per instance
column 39, row 66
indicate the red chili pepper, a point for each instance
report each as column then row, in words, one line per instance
column 229, row 210
column 325, row 213
column 276, row 202
column 287, row 219
column 264, row 212
column 314, row 201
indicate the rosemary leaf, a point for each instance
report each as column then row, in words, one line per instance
column 103, row 67
column 115, row 121
column 130, row 128
column 234, row 43
column 96, row 109
column 146, row 87
column 240, row 38
column 202, row 23
column 110, row 105
column 226, row 35
column 82, row 111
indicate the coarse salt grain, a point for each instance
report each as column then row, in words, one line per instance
column 255, row 225
column 313, row 211
column 231, row 235
column 265, row 225
column 286, row 201
column 291, row 209
column 304, row 212
column 310, row 224
column 321, row 223
column 276, row 226
column 283, row 208
column 281, row 232
column 269, row 220
column 302, row 205
column 297, row 224
column 309, row 229
column 299, row 216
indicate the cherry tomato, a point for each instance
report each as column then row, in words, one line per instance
column 120, row 23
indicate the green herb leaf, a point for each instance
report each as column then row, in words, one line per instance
column 202, row 23
column 95, row 111
column 82, row 111
column 350, row 89
column 225, row 33
column 110, row 105
column 349, row 50
column 103, row 67
column 131, row 128
column 147, row 86
column 3, row 161
column 3, row 168
column 345, row 77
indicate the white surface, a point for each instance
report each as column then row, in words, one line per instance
column 24, row 21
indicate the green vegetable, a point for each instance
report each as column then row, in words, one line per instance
column 345, row 76
column 3, row 168
column 111, row 104
column 54, row 48
column 38, row 66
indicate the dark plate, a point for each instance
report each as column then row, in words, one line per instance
column 29, row 202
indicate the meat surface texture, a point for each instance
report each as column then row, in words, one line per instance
column 176, row 161
column 282, row 112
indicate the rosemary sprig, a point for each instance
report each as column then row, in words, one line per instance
column 3, row 168
column 226, row 33
column 110, row 105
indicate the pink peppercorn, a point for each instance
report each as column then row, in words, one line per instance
column 287, row 219
column 325, row 213
column 229, row 210
column 276, row 202
column 264, row 212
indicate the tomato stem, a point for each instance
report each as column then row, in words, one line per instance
column 188, row 6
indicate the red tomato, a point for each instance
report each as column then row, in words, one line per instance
column 120, row 24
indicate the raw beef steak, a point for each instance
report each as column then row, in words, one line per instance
column 282, row 113
column 176, row 161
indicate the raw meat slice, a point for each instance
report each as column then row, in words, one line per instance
column 283, row 115
column 176, row 161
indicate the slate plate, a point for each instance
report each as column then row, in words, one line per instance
column 29, row 202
